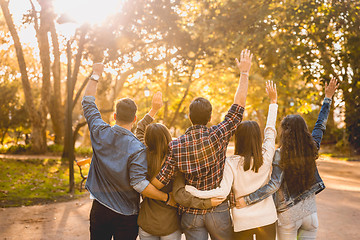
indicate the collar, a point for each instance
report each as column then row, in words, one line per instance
column 122, row 130
column 195, row 128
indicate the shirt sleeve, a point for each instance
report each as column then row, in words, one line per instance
column 138, row 170
column 320, row 125
column 184, row 198
column 222, row 191
column 268, row 147
column 226, row 128
column 168, row 169
column 271, row 187
column 141, row 127
column 92, row 114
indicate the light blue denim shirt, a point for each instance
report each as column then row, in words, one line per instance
column 118, row 168
column 282, row 198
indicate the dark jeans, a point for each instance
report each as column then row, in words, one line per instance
column 105, row 223
column 267, row 232
column 216, row 223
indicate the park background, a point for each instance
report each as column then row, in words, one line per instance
column 183, row 48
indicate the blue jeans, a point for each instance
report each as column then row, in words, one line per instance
column 216, row 223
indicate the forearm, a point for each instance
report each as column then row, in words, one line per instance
column 156, row 183
column 184, row 198
column 241, row 92
column 91, row 88
column 141, row 126
column 152, row 192
column 320, row 125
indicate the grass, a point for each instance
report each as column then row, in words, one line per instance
column 29, row 182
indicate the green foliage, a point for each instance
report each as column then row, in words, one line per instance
column 29, row 182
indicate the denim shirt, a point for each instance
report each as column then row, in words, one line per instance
column 118, row 168
column 282, row 198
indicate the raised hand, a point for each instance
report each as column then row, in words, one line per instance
column 331, row 88
column 245, row 61
column 271, row 91
column 98, row 68
column 157, row 103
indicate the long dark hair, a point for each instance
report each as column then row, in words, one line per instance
column 298, row 154
column 157, row 138
column 248, row 144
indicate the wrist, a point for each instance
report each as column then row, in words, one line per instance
column 152, row 112
column 328, row 96
column 273, row 101
column 167, row 198
column 244, row 73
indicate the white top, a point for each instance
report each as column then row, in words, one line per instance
column 245, row 182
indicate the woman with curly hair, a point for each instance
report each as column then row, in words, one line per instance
column 295, row 179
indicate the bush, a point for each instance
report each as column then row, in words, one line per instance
column 55, row 148
column 84, row 151
column 18, row 149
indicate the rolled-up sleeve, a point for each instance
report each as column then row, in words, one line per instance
column 169, row 168
column 233, row 118
column 92, row 113
column 138, row 170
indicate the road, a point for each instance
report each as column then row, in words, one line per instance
column 338, row 210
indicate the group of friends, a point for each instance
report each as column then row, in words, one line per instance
column 188, row 185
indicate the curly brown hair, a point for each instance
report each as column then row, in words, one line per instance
column 298, row 154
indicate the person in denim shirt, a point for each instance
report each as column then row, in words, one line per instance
column 295, row 179
column 118, row 169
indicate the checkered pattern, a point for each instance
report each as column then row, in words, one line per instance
column 200, row 154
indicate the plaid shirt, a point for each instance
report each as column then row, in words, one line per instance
column 200, row 154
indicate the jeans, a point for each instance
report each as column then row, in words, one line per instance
column 303, row 229
column 267, row 232
column 105, row 224
column 147, row 236
column 217, row 223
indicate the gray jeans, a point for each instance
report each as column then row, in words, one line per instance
column 303, row 229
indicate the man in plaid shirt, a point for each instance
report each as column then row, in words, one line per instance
column 200, row 154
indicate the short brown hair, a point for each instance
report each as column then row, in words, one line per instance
column 200, row 111
column 125, row 110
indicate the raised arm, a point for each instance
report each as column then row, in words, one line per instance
column 220, row 192
column 268, row 146
column 90, row 90
column 244, row 66
column 320, row 125
column 149, row 117
column 91, row 112
column 233, row 118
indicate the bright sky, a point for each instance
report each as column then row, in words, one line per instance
column 82, row 11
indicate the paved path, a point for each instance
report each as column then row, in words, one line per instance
column 338, row 208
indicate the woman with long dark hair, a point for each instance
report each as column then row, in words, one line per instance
column 295, row 178
column 246, row 171
column 158, row 220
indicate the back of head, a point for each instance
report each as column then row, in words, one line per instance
column 248, row 144
column 200, row 111
column 298, row 154
column 125, row 110
column 157, row 139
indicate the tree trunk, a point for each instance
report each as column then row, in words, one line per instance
column 56, row 108
column 38, row 138
column 173, row 120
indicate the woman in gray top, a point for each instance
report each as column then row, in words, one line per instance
column 295, row 179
